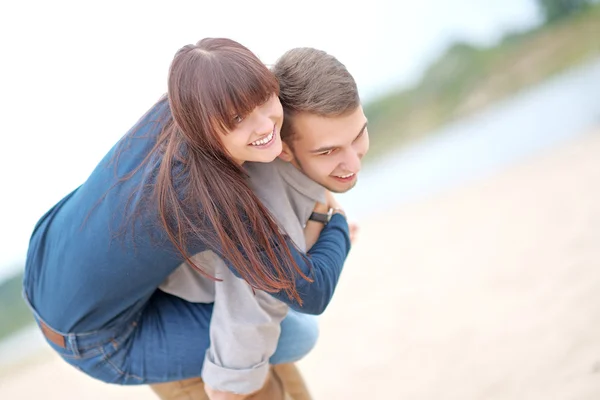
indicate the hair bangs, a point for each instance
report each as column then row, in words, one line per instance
column 237, row 87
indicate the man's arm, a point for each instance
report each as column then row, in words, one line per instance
column 244, row 328
column 244, row 331
column 313, row 228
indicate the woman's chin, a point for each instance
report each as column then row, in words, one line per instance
column 269, row 154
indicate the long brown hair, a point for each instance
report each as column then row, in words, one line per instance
column 201, row 192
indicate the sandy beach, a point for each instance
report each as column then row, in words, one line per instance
column 487, row 291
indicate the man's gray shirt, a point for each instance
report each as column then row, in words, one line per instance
column 246, row 323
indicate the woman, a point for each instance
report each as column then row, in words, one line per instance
column 171, row 188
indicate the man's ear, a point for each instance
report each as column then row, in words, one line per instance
column 286, row 153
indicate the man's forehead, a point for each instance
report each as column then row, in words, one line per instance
column 317, row 131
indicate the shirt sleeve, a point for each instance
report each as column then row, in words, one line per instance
column 244, row 332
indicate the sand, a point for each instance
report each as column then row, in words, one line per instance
column 487, row 291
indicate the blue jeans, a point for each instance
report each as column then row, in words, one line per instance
column 167, row 342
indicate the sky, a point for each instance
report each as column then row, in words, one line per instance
column 76, row 75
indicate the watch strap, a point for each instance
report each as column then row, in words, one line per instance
column 320, row 217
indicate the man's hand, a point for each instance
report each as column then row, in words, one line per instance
column 218, row 395
column 333, row 203
column 272, row 389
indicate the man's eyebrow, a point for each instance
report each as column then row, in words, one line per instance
column 327, row 148
column 362, row 130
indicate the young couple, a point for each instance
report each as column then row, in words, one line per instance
column 197, row 253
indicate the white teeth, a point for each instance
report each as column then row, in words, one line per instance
column 263, row 141
column 345, row 176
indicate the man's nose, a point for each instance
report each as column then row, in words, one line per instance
column 352, row 161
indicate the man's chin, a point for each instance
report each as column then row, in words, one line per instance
column 340, row 188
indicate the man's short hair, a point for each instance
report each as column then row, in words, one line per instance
column 315, row 82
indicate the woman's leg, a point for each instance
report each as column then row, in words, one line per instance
column 172, row 337
column 170, row 341
column 299, row 334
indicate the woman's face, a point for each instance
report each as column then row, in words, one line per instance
column 256, row 136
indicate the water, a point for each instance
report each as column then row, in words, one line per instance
column 474, row 148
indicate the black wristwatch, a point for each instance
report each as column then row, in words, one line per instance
column 320, row 217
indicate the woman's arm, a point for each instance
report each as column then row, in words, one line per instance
column 323, row 264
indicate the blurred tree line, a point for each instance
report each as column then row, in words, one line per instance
column 466, row 78
column 14, row 313
column 554, row 10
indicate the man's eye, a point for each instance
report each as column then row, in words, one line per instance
column 326, row 153
column 237, row 119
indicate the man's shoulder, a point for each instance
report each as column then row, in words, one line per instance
column 265, row 178
column 265, row 173
column 260, row 168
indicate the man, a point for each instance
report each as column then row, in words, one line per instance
column 324, row 139
column 324, row 131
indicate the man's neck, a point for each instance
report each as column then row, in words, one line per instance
column 295, row 177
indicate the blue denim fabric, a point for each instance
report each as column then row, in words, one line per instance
column 299, row 334
column 167, row 341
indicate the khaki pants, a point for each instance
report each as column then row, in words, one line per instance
column 284, row 382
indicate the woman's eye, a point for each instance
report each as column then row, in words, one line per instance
column 237, row 119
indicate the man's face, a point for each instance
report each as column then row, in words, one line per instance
column 329, row 149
